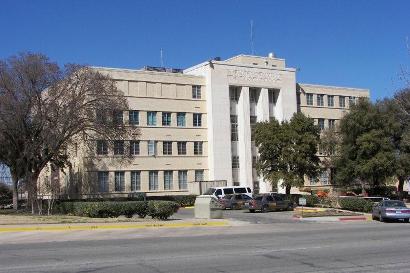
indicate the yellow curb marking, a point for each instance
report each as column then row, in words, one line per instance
column 94, row 227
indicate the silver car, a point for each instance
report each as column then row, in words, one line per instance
column 391, row 210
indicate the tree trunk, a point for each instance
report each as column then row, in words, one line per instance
column 288, row 190
column 32, row 191
column 15, row 192
column 400, row 188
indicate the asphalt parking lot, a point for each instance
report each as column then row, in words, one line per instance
column 245, row 216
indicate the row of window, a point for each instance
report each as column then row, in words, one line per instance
column 235, row 92
column 331, row 123
column 330, row 100
column 234, row 127
column 134, row 147
column 323, row 179
column 134, row 118
column 135, row 180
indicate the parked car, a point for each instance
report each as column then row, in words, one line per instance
column 282, row 201
column 234, row 201
column 218, row 192
column 264, row 202
column 391, row 210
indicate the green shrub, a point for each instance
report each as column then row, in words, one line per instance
column 6, row 195
column 162, row 209
column 355, row 204
column 103, row 209
column 182, row 200
column 312, row 200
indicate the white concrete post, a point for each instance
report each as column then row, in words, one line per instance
column 244, row 141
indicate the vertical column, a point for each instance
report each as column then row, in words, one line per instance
column 244, row 141
column 262, row 111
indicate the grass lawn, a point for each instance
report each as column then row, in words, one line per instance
column 10, row 217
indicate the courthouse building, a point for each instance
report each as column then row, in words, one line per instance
column 196, row 124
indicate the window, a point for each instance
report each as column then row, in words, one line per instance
column 181, row 119
column 199, row 175
column 352, row 101
column 100, row 116
column 134, row 147
column 235, row 162
column 330, row 100
column 117, row 117
column 320, row 99
column 182, row 180
column 102, row 147
column 135, row 181
column 153, row 180
column 168, row 180
column 152, row 147
column 234, row 93
column 321, row 123
column 254, row 161
column 234, row 128
column 324, row 178
column 151, row 118
column 342, row 102
column 197, row 122
column 167, row 148
column 133, row 117
column 332, row 123
column 181, row 147
column 103, row 181
column 309, row 99
column 197, row 147
column 253, row 92
column 166, row 119
column 119, row 181
column 253, row 126
column 271, row 96
column 118, row 147
column 313, row 180
column 196, row 91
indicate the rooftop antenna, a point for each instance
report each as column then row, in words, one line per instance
column 162, row 58
column 252, row 46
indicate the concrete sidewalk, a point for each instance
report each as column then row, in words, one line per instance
column 125, row 225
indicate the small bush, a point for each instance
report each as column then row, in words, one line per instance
column 6, row 195
column 355, row 204
column 162, row 209
column 312, row 200
column 182, row 200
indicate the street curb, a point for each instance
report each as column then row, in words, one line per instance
column 364, row 218
column 104, row 227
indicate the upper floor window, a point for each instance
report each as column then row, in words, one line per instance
column 152, row 118
column 134, row 147
column 235, row 162
column 253, row 120
column 101, row 116
column 309, row 99
column 133, row 117
column 253, row 92
column 271, row 95
column 118, row 147
column 320, row 99
column 197, row 120
column 352, row 101
column 152, row 147
column 166, row 119
column 198, row 148
column 196, row 91
column 181, row 119
column 342, row 102
column 234, row 93
column 167, row 148
column 102, row 147
column 234, row 128
column 117, row 117
column 181, row 147
column 330, row 101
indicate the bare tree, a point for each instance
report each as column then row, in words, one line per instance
column 45, row 110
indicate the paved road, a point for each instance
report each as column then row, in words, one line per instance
column 286, row 247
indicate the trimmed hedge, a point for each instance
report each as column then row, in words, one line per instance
column 182, row 200
column 162, row 209
column 355, row 204
column 156, row 209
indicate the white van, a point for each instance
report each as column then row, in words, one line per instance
column 219, row 192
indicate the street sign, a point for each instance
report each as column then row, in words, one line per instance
column 302, row 201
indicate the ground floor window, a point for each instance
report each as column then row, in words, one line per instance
column 135, row 181
column 199, row 175
column 168, row 180
column 153, row 180
column 103, row 181
column 119, row 181
column 182, row 180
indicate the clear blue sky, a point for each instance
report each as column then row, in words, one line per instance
column 346, row 43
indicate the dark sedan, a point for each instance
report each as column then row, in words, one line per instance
column 391, row 210
column 234, row 201
column 263, row 203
